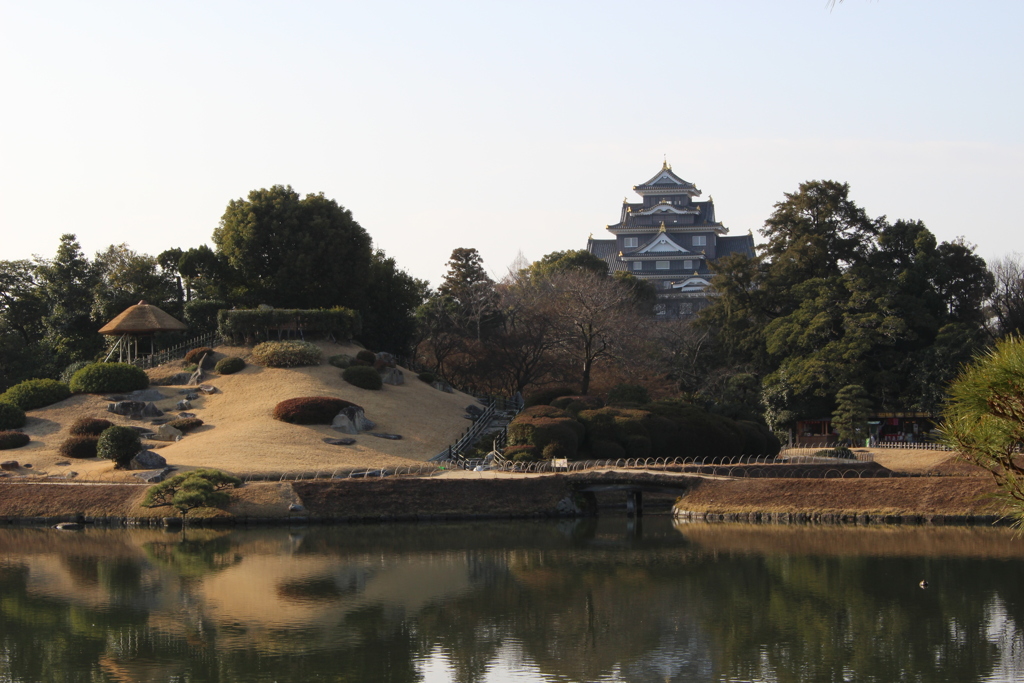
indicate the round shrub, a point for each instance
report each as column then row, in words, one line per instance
column 119, row 444
column 229, row 365
column 628, row 394
column 427, row 377
column 69, row 371
column 36, row 393
column 310, row 410
column 186, row 424
column 102, row 378
column 11, row 416
column 840, row 452
column 10, row 440
column 366, row 356
column 574, row 404
column 546, row 396
column 363, row 377
column 286, row 354
column 523, row 453
column 80, row 447
column 340, row 361
column 90, row 426
column 195, row 355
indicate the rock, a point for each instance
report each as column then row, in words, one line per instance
column 71, row 474
column 62, row 463
column 474, row 410
column 295, row 507
column 151, row 410
column 142, row 395
column 183, row 404
column 127, row 408
column 191, row 396
column 147, row 460
column 441, row 385
column 178, row 378
column 9, row 465
column 385, row 359
column 352, row 420
column 27, row 466
column 69, row 526
column 207, row 389
column 155, row 477
column 143, row 431
column 167, row 433
column 567, row 506
column 392, row 376
column 186, row 414
column 384, row 435
column 340, row 442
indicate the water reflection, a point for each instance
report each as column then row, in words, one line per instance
column 587, row 600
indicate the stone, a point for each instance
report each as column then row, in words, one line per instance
column 178, row 378
column 384, row 435
column 392, row 376
column 155, row 477
column 385, row 360
column 143, row 431
column 69, row 526
column 167, row 433
column 183, row 404
column 207, row 389
column 147, row 460
column 142, row 395
column 340, row 442
column 27, row 465
column 191, row 396
column 151, row 410
column 127, row 408
column 9, row 465
column 62, row 463
column 186, row 414
column 352, row 420
column 474, row 410
column 295, row 507
column 441, row 385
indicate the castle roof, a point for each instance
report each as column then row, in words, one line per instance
column 666, row 181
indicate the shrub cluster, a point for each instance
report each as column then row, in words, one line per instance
column 286, row 354
column 186, row 424
column 119, row 444
column 362, row 376
column 11, row 416
column 574, row 404
column 366, row 357
column 552, row 432
column 229, row 365
column 90, row 426
column 310, row 410
column 840, row 452
column 36, row 393
column 239, row 325
column 195, row 355
column 341, row 360
column 427, row 377
column 102, row 378
column 69, row 371
column 10, row 440
column 543, row 397
column 79, row 446
column 628, row 394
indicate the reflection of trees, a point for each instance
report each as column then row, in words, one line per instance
column 193, row 557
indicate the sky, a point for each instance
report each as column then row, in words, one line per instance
column 505, row 126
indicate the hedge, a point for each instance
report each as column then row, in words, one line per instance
column 11, row 416
column 239, row 325
column 201, row 315
column 543, row 397
column 102, row 378
column 551, row 432
column 80, row 447
column 119, row 444
column 229, row 365
column 286, row 354
column 10, row 440
column 310, row 410
column 90, row 426
column 363, row 376
column 186, row 424
column 69, row 371
column 36, row 393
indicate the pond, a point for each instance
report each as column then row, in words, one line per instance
column 603, row 599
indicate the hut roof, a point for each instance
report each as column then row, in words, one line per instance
column 142, row 318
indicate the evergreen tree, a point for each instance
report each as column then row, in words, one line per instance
column 66, row 286
column 850, row 419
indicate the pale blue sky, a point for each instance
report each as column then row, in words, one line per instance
column 503, row 126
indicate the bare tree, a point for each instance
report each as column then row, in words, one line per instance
column 1006, row 305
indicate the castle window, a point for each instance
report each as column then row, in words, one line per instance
column 700, row 241
column 629, row 242
column 661, row 265
column 637, row 265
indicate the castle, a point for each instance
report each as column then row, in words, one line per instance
column 671, row 240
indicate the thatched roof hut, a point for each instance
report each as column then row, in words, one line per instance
column 143, row 318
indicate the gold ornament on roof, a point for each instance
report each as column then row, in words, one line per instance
column 662, row 228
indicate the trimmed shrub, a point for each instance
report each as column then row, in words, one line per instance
column 186, row 424
column 362, row 376
column 542, row 411
column 11, row 416
column 36, row 393
column 90, row 426
column 80, row 447
column 340, row 361
column 69, row 371
column 119, row 444
column 102, row 378
column 310, row 410
column 229, row 365
column 366, row 356
column 548, row 430
column 574, row 404
column 546, row 396
column 9, row 440
column 195, row 355
column 427, row 377
column 523, row 453
column 841, row 452
column 341, row 323
column 606, row 450
column 286, row 354
column 629, row 394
